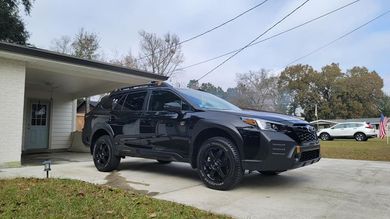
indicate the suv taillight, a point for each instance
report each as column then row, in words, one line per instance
column 369, row 126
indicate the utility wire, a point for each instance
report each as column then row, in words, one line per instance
column 213, row 28
column 254, row 40
column 338, row 38
column 271, row 37
column 224, row 23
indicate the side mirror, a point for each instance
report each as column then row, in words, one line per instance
column 173, row 107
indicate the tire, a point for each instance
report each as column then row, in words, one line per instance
column 219, row 164
column 360, row 136
column 270, row 173
column 325, row 136
column 164, row 161
column 103, row 156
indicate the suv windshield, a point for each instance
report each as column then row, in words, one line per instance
column 205, row 100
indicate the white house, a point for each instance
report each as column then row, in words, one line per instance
column 38, row 92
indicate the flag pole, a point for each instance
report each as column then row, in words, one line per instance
column 387, row 133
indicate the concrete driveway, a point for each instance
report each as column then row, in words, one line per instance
column 332, row 188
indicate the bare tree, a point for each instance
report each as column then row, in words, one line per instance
column 160, row 55
column 62, row 45
column 257, row 90
column 127, row 61
column 85, row 45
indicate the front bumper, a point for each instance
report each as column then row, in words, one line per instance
column 282, row 153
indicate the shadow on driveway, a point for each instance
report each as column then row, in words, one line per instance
column 183, row 170
column 56, row 158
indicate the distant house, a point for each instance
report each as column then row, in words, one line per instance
column 81, row 109
column 321, row 124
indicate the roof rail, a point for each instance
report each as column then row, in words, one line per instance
column 151, row 84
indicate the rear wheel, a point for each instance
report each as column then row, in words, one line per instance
column 219, row 164
column 325, row 136
column 360, row 136
column 164, row 161
column 103, row 156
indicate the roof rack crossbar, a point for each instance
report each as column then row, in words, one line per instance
column 151, row 84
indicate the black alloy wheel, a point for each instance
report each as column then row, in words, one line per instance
column 219, row 164
column 103, row 156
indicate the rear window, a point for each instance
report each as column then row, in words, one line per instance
column 111, row 102
column 117, row 102
column 134, row 101
column 105, row 103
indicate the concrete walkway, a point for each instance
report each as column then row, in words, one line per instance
column 332, row 188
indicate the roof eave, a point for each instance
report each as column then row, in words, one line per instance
column 46, row 54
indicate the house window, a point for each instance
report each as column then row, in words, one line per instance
column 38, row 114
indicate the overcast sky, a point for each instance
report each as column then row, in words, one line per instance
column 118, row 22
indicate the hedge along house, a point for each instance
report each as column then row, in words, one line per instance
column 38, row 96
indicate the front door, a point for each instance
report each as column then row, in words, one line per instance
column 37, row 126
column 163, row 130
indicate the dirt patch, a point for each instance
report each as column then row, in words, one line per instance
column 114, row 179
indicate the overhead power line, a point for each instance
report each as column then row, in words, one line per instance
column 213, row 28
column 254, row 40
column 338, row 38
column 224, row 23
column 270, row 37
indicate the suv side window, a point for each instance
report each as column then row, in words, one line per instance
column 161, row 97
column 117, row 102
column 134, row 101
column 348, row 125
column 105, row 103
column 339, row 126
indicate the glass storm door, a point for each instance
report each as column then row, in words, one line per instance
column 37, row 132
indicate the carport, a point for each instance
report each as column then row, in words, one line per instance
column 39, row 89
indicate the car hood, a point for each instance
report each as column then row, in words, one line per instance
column 270, row 116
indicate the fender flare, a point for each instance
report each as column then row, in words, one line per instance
column 203, row 125
column 101, row 126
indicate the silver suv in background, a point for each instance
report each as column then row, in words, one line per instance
column 360, row 131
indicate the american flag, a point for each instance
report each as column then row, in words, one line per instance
column 383, row 126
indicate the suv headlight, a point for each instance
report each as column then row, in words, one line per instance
column 264, row 124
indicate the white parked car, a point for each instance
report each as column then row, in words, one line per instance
column 360, row 131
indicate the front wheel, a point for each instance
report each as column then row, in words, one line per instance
column 103, row 156
column 219, row 164
column 360, row 137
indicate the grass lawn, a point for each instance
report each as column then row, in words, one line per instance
column 60, row 198
column 373, row 149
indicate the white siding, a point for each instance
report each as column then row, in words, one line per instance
column 62, row 116
column 61, row 123
column 12, row 80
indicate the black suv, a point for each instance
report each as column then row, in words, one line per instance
column 220, row 140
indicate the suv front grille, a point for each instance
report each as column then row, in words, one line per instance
column 309, row 155
column 307, row 136
column 302, row 134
